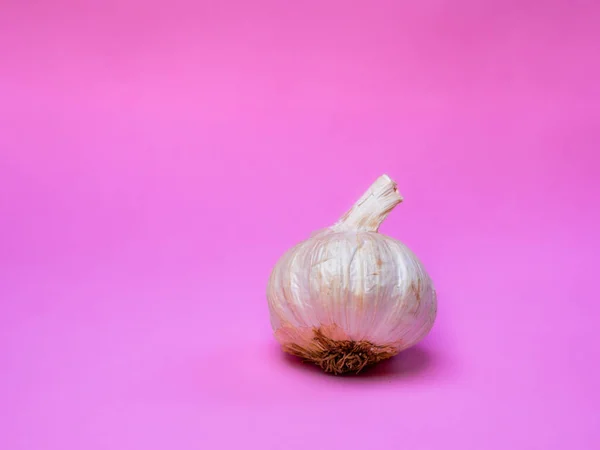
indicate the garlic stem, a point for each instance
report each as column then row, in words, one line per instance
column 369, row 212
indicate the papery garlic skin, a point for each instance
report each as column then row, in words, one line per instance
column 350, row 284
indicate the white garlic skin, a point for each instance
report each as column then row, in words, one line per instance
column 353, row 283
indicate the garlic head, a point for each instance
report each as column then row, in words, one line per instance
column 348, row 296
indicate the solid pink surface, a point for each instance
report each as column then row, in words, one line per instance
column 156, row 158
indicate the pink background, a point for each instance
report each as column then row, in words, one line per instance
column 157, row 157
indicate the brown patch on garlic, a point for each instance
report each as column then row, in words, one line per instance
column 339, row 356
column 416, row 290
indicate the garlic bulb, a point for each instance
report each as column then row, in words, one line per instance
column 349, row 296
